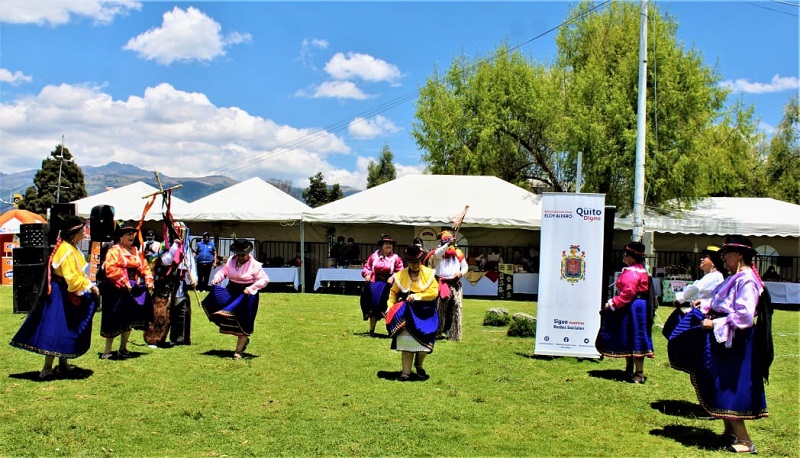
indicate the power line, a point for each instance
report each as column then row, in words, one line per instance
column 368, row 114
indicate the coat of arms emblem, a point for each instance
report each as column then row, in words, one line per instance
column 573, row 264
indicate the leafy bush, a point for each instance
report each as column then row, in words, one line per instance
column 522, row 325
column 496, row 317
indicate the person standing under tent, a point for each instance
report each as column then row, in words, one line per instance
column 451, row 266
column 626, row 319
column 377, row 272
column 411, row 320
column 62, row 326
column 205, row 260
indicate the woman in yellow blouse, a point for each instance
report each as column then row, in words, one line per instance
column 127, row 291
column 62, row 326
column 411, row 319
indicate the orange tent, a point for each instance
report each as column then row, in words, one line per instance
column 10, row 220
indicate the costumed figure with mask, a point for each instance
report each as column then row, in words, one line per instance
column 451, row 266
column 62, row 325
column 234, row 307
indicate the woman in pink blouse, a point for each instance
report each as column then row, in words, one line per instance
column 234, row 307
column 377, row 272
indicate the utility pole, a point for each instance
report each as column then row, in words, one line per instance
column 641, row 116
column 60, row 166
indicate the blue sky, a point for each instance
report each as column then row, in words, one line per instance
column 288, row 89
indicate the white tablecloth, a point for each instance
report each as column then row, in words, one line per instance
column 275, row 274
column 784, row 292
column 333, row 274
column 526, row 283
column 484, row 287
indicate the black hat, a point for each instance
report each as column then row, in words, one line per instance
column 205, row 234
column 739, row 244
column 241, row 246
column 124, row 228
column 72, row 225
column 150, row 232
column 635, row 250
column 386, row 239
column 413, row 253
column 712, row 252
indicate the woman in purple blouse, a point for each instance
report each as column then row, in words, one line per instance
column 377, row 272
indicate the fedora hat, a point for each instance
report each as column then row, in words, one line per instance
column 125, row 227
column 241, row 246
column 739, row 244
column 386, row 239
column 413, row 253
column 712, row 252
column 72, row 225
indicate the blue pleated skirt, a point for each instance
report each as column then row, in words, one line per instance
column 724, row 379
column 232, row 310
column 418, row 318
column 374, row 297
column 58, row 327
column 625, row 332
column 124, row 310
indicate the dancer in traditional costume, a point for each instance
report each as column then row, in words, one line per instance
column 127, row 291
column 412, row 319
column 698, row 294
column 732, row 345
column 451, row 266
column 626, row 320
column 62, row 326
column 234, row 307
column 377, row 272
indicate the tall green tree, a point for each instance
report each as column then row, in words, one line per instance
column 382, row 172
column 783, row 157
column 47, row 189
column 526, row 122
column 317, row 193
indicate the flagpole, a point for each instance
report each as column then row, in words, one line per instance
column 641, row 116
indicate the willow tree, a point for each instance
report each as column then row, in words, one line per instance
column 521, row 120
column 783, row 157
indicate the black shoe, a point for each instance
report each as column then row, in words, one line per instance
column 421, row 373
column 404, row 378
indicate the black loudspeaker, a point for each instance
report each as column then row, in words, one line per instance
column 31, row 255
column 101, row 223
column 58, row 213
column 30, row 286
column 33, row 234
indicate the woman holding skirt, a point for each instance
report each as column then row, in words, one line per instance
column 62, row 326
column 412, row 319
column 377, row 272
column 234, row 307
column 732, row 348
column 626, row 320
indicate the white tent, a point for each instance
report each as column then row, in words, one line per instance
column 128, row 202
column 748, row 216
column 253, row 200
column 421, row 200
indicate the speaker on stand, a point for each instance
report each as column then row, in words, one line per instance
column 101, row 227
column 30, row 277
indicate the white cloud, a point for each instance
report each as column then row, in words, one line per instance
column 15, row 78
column 363, row 66
column 777, row 84
column 176, row 132
column 184, row 36
column 364, row 129
column 307, row 48
column 769, row 130
column 59, row 12
column 335, row 90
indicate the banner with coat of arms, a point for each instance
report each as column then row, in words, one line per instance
column 570, row 274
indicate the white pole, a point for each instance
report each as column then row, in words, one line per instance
column 60, row 165
column 638, row 179
column 579, row 173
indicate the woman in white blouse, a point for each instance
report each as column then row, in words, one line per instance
column 699, row 292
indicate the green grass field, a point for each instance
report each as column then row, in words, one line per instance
column 310, row 388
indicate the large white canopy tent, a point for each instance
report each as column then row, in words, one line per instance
column 128, row 202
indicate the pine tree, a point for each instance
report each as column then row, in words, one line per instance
column 60, row 180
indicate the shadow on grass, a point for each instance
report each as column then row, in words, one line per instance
column 374, row 336
column 228, row 354
column 680, row 408
column 115, row 356
column 73, row 373
column 616, row 375
column 701, row 438
column 395, row 375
